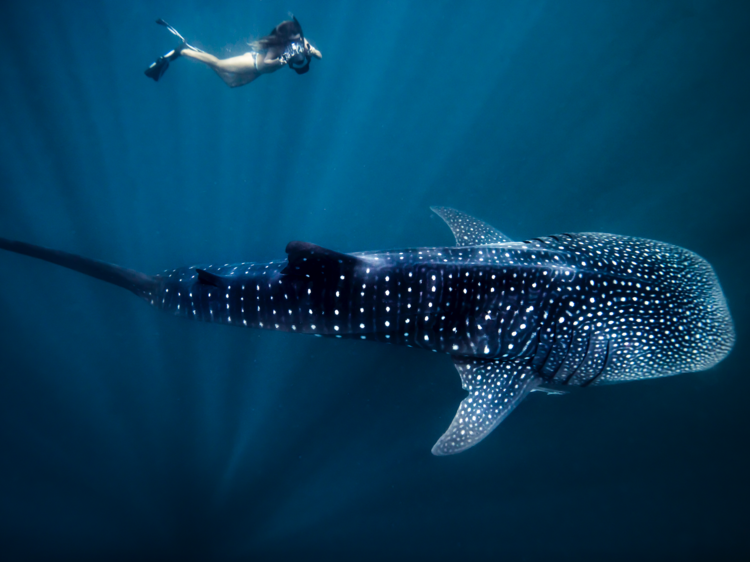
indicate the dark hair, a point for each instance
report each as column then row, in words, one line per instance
column 286, row 32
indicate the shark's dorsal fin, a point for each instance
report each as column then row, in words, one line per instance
column 309, row 259
column 495, row 388
column 468, row 230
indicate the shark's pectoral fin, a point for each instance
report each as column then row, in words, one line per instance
column 468, row 230
column 495, row 388
column 309, row 259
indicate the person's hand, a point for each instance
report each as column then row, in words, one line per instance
column 311, row 51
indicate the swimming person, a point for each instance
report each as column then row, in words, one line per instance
column 285, row 46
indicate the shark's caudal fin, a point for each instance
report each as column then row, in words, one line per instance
column 139, row 283
column 495, row 388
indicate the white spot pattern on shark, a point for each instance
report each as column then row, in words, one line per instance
column 558, row 311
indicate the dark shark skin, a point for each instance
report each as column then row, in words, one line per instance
column 568, row 310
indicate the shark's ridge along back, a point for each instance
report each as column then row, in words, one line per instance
column 552, row 312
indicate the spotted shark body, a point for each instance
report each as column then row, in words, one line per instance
column 567, row 310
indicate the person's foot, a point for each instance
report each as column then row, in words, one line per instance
column 172, row 55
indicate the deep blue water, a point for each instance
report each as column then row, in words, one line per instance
column 126, row 433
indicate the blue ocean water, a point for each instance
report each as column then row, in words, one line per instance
column 126, row 433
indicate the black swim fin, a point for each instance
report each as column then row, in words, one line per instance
column 171, row 29
column 184, row 45
column 157, row 68
column 160, row 66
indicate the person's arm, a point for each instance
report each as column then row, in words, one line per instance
column 314, row 52
column 267, row 64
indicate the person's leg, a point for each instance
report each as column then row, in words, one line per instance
column 202, row 57
column 235, row 71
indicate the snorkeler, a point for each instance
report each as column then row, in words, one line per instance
column 286, row 45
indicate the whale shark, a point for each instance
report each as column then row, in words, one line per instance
column 545, row 314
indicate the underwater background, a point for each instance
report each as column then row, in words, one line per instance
column 126, row 433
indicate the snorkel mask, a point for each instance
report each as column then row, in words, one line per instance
column 297, row 57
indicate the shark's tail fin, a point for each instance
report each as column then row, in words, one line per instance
column 139, row 283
